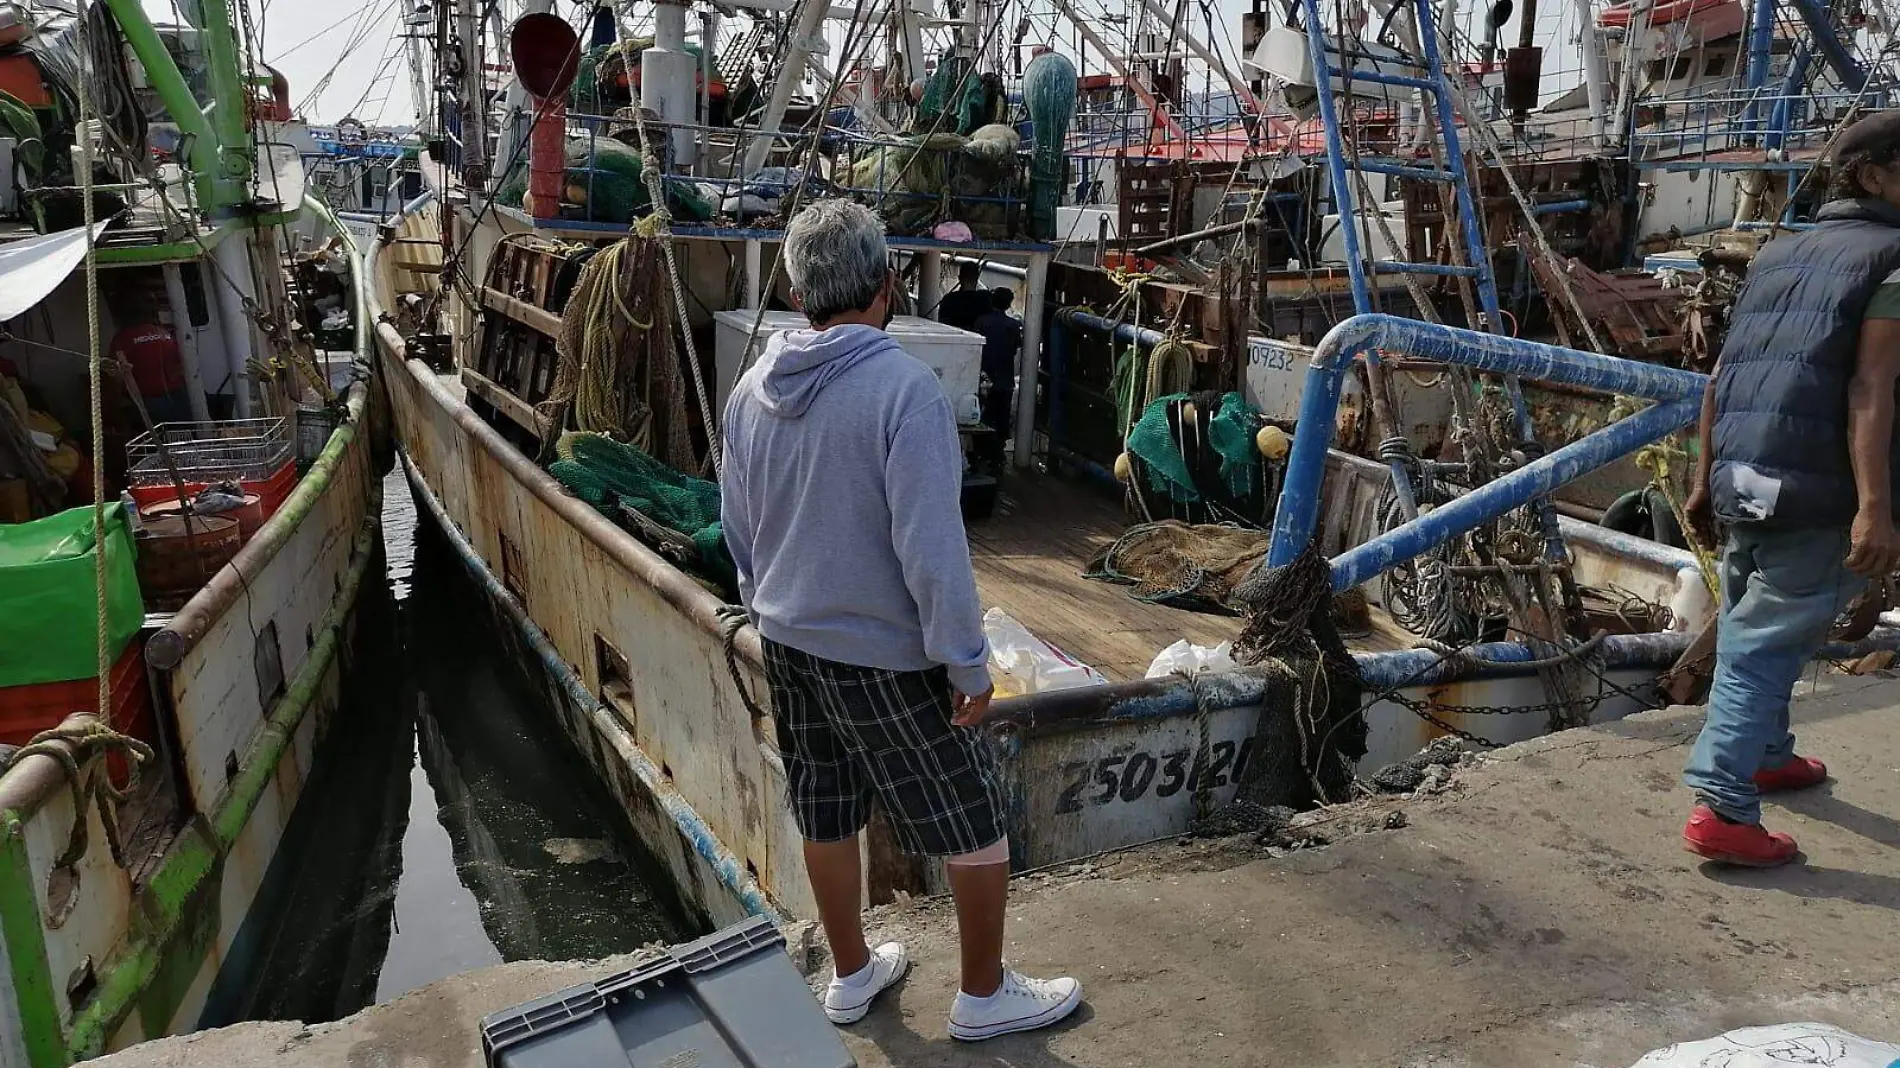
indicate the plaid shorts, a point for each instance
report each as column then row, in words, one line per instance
column 848, row 734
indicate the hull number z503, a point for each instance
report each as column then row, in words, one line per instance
column 1128, row 777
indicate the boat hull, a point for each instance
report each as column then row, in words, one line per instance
column 97, row 962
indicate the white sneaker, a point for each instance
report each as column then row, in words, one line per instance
column 1019, row 1004
column 848, row 999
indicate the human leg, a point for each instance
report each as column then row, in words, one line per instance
column 981, row 890
column 940, row 785
column 997, row 415
column 836, row 873
column 1782, row 592
column 829, row 799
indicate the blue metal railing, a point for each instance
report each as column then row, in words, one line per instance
column 1678, row 395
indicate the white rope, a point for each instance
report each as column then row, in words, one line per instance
column 660, row 219
column 95, row 386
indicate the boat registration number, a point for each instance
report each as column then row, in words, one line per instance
column 1129, row 777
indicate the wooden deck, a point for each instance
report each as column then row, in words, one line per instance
column 1029, row 559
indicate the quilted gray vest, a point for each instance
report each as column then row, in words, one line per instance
column 1781, row 393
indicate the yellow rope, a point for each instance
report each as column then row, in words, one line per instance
column 1656, row 459
column 1170, row 370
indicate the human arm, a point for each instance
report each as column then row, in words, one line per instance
column 1874, row 547
column 1700, row 507
column 923, row 480
column 735, row 520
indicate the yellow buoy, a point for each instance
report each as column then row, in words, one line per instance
column 1272, row 442
column 1124, row 468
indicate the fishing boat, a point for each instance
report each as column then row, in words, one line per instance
column 191, row 439
column 1271, row 318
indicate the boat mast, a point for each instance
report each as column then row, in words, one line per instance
column 414, row 24
column 473, row 107
column 668, row 72
column 811, row 22
column 1595, row 72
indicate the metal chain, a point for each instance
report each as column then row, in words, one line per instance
column 1429, row 711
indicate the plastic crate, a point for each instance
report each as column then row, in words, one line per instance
column 272, row 490
column 27, row 710
column 730, row 1000
column 238, row 450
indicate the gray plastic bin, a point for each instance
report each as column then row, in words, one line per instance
column 730, row 1000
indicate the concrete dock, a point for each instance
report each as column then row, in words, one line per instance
column 1539, row 912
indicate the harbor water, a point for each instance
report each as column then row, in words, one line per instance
column 447, row 823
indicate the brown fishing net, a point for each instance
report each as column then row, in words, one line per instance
column 1173, row 563
column 620, row 372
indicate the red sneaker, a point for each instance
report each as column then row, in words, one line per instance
column 1797, row 774
column 1747, row 844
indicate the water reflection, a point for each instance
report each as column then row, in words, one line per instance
column 447, row 824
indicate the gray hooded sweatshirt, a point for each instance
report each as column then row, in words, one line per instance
column 840, row 504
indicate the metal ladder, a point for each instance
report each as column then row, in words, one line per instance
column 1341, row 158
column 1340, row 161
column 1435, row 87
column 732, row 65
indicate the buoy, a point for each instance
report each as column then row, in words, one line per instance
column 1272, row 442
column 1124, row 468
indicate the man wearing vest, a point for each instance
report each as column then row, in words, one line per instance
column 1797, row 460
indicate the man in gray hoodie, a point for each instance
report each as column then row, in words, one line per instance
column 840, row 504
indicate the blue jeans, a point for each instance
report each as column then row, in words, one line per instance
column 1781, row 591
column 173, row 407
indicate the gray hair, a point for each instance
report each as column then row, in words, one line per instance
column 835, row 256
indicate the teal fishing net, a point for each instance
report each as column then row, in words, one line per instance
column 617, row 479
column 607, row 76
column 608, row 184
column 965, row 104
column 1230, row 432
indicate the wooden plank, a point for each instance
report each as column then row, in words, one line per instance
column 539, row 320
column 517, row 411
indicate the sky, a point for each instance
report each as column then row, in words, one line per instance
column 306, row 40
column 343, row 56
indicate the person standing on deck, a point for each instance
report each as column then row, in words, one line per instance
column 1798, row 459
column 1002, row 340
column 840, row 503
column 962, row 306
column 148, row 351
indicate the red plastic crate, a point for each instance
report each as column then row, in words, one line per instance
column 272, row 492
column 27, row 710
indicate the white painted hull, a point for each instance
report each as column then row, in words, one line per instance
column 153, row 951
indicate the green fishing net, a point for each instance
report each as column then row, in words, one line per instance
column 1230, row 431
column 611, row 188
column 617, row 478
column 598, row 87
column 965, row 104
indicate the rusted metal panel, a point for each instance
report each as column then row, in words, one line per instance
column 1275, row 376
column 1634, row 312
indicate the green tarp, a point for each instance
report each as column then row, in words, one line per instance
column 48, row 618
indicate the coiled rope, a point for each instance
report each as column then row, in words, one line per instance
column 732, row 619
column 79, row 748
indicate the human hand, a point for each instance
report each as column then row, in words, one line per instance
column 1874, row 545
column 1699, row 510
column 967, row 710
